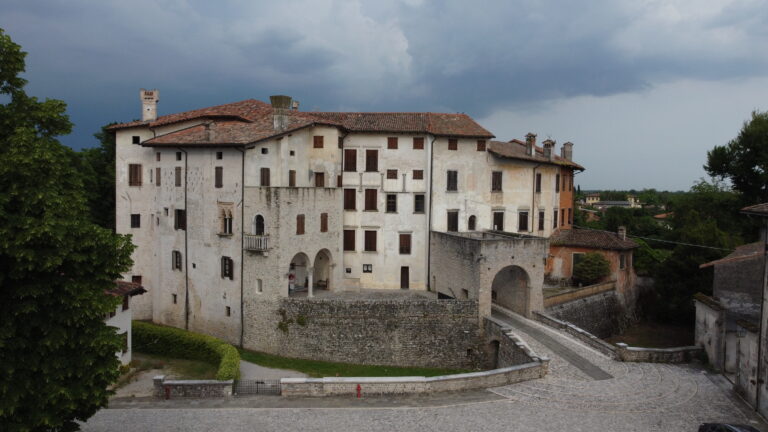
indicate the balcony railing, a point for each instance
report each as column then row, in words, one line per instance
column 257, row 243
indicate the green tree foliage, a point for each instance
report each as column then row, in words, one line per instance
column 591, row 268
column 98, row 165
column 57, row 356
column 744, row 160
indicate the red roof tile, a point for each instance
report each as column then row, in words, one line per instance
column 744, row 252
column 759, row 210
column 515, row 149
column 123, row 288
column 590, row 239
column 245, row 110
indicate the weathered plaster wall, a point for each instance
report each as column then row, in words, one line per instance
column 599, row 314
column 738, row 285
column 122, row 321
column 710, row 330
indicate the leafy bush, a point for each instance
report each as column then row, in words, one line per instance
column 172, row 342
column 591, row 268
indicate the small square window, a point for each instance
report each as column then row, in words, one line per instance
column 453, row 144
column 348, row 270
column 135, row 221
column 367, row 268
column 265, row 150
column 136, row 139
column 219, row 155
column 392, row 174
column 418, row 174
column 292, row 153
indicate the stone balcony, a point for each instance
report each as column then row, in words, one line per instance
column 256, row 243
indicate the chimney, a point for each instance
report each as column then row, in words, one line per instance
column 530, row 144
column 567, row 151
column 622, row 232
column 280, row 105
column 295, row 105
column 210, row 134
column 549, row 146
column 149, row 100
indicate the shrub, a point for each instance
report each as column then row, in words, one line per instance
column 172, row 342
column 591, row 268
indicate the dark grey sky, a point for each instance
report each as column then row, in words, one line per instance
column 643, row 88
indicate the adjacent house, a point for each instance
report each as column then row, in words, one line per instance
column 121, row 317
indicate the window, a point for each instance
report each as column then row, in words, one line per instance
column 292, row 153
column 219, row 155
column 453, row 220
column 258, row 225
column 226, row 221
column 370, row 200
column 174, row 298
column 136, row 279
column 349, row 240
column 562, row 217
column 350, row 160
column 391, row 203
column 265, row 150
column 522, row 221
column 541, row 220
column 227, row 268
column 259, row 286
column 496, row 181
column 570, row 216
column 219, row 181
column 557, row 183
column 392, row 174
column 136, row 139
column 177, row 174
column 265, row 177
column 338, row 181
column 418, row 203
column 472, row 223
column 538, row 182
column 323, row 222
column 481, row 145
column 622, row 261
column 453, row 182
column 157, row 156
column 498, row 221
column 392, row 143
column 418, row 174
column 350, row 198
column 453, row 144
column 319, row 179
column 554, row 220
column 180, row 219
column 371, row 160
column 576, row 257
column 157, row 176
column 367, row 268
column 299, row 224
column 318, row 141
column 135, row 220
column 291, row 178
column 340, row 141
column 405, row 244
column 418, row 143
column 175, row 260
column 228, row 311
column 134, row 174
column 178, row 156
column 370, row 241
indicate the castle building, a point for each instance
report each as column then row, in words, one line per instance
column 247, row 202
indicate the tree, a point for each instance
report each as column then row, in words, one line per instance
column 591, row 268
column 57, row 356
column 99, row 167
column 744, row 160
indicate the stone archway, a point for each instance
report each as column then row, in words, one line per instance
column 511, row 289
column 321, row 273
column 298, row 274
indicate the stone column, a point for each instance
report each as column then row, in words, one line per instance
column 311, row 283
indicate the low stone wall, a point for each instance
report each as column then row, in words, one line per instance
column 200, row 389
column 599, row 314
column 578, row 293
column 595, row 342
column 512, row 350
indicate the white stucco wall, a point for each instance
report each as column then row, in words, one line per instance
column 122, row 321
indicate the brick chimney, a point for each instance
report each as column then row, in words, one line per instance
column 210, row 134
column 280, row 105
column 149, row 100
column 567, row 151
column 530, row 144
column 622, row 232
column 549, row 147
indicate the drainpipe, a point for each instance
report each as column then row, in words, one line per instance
column 429, row 214
column 186, row 244
column 242, row 240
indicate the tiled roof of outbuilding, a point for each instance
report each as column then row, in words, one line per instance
column 590, row 239
column 515, row 149
column 123, row 288
column 758, row 209
column 744, row 252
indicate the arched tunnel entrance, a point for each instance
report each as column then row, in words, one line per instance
column 511, row 289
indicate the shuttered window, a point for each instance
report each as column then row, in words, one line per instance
column 522, row 221
column 370, row 200
column 299, row 224
column 219, row 177
column 405, row 244
column 391, row 203
column 554, row 220
column 350, row 199
column 371, row 160
column 480, row 145
column 157, row 156
column 323, row 222
column 318, row 141
column 418, row 143
column 135, row 221
column 538, row 182
column 392, row 143
column 392, row 174
column 177, row 176
column 453, row 220
column 180, row 219
column 350, row 160
column 227, row 268
column 418, row 174
column 418, row 203
column 175, row 260
column 541, row 220
column 453, row 181
column 319, row 179
column 496, row 181
column 291, row 178
column 265, row 177
column 134, row 174
column 557, row 183
column 370, row 241
column 157, row 175
column 498, row 221
column 453, row 144
column 349, row 240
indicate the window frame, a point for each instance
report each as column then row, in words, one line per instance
column 452, row 181
column 134, row 174
column 392, row 143
column 497, row 181
column 405, row 246
column 453, row 144
column 350, row 199
column 523, row 220
column 371, row 199
column 418, row 143
column 371, row 160
column 369, row 240
column 391, row 199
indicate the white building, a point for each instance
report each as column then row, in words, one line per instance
column 250, row 201
column 121, row 316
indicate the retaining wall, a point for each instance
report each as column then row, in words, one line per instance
column 599, row 314
column 199, row 389
column 578, row 293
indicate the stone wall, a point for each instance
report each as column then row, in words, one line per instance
column 406, row 332
column 710, row 329
column 578, row 293
column 738, row 285
column 507, row 349
column 599, row 314
column 199, row 389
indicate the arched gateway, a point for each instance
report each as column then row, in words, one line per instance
column 511, row 289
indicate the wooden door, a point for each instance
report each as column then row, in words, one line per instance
column 404, row 277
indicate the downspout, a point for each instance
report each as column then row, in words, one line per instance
column 533, row 200
column 429, row 214
column 186, row 244
column 242, row 243
column 760, row 335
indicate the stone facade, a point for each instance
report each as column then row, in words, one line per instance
column 598, row 314
column 198, row 389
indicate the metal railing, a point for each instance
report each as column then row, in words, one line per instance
column 256, row 242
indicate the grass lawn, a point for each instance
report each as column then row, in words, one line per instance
column 177, row 368
column 654, row 335
column 320, row 369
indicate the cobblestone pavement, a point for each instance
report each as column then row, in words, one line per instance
column 639, row 397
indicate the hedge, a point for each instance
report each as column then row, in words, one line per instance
column 177, row 343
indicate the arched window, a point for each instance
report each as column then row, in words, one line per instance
column 258, row 225
column 471, row 225
column 226, row 221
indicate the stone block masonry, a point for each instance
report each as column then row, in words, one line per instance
column 598, row 314
column 200, row 389
column 423, row 333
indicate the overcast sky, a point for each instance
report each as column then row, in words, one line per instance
column 642, row 88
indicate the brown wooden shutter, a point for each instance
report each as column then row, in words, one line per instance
column 370, row 199
column 538, row 182
column 453, row 144
column 480, row 145
column 557, row 183
column 219, row 177
column 496, row 181
column 392, row 174
column 300, row 224
column 418, row 143
column 349, row 240
column 291, row 178
column 350, row 196
column 418, row 174
column 392, row 143
column 319, row 179
column 370, row 241
column 350, row 160
column 177, row 173
column 134, row 174
column 323, row 222
column 371, row 160
column 318, row 141
column 157, row 176
column 265, row 177
column 338, row 181
column 405, row 244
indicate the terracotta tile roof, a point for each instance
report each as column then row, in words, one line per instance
column 246, row 110
column 741, row 253
column 590, row 239
column 123, row 288
column 441, row 124
column 759, row 210
column 515, row 149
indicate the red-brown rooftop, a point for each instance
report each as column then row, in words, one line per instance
column 588, row 238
